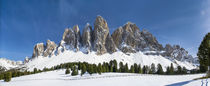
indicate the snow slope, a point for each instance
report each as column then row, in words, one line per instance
column 58, row 77
column 71, row 56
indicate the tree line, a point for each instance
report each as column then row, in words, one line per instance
column 112, row 66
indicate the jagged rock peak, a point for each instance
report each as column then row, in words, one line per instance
column 100, row 33
column 101, row 22
column 38, row 50
column 50, row 48
column 71, row 38
column 127, row 38
column 87, row 38
column 78, row 37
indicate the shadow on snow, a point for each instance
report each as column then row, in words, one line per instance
column 180, row 83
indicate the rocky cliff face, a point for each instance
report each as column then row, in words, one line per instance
column 50, row 48
column 130, row 39
column 41, row 50
column 38, row 50
column 87, row 38
column 101, row 37
column 178, row 53
column 127, row 38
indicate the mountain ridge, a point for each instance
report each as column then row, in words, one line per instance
column 128, row 39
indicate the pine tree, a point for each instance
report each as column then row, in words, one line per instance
column 139, row 69
column 121, row 69
column 159, row 69
column 179, row 70
column 14, row 73
column 35, row 70
column 204, row 53
column 171, row 71
column 67, row 71
column 135, row 68
column 168, row 70
column 111, row 66
column 184, row 70
column 153, row 68
column 91, row 70
column 99, row 68
column 1, row 76
column 126, row 68
column 145, row 69
column 115, row 66
column 132, row 69
column 84, row 69
column 7, row 76
column 74, row 71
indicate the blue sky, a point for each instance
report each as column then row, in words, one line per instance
column 23, row 23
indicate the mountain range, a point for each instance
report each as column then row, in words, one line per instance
column 127, row 44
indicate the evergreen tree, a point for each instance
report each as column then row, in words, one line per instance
column 111, row 66
column 145, row 69
column 14, row 73
column 168, row 70
column 35, row 70
column 99, row 68
column 152, row 70
column 184, row 70
column 84, row 69
column 204, row 53
column 139, row 69
column 115, row 66
column 1, row 76
column 179, row 70
column 171, row 71
column 126, row 68
column 7, row 76
column 91, row 70
column 121, row 69
column 136, row 68
column 95, row 68
column 159, row 69
column 132, row 69
column 67, row 71
column 74, row 71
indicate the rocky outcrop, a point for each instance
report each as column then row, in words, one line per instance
column 100, row 34
column 87, row 38
column 50, row 48
column 44, row 50
column 71, row 39
column 178, row 53
column 151, row 42
column 77, row 37
column 130, row 39
column 125, row 37
column 110, row 45
column 38, row 50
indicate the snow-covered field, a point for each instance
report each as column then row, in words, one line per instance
column 71, row 56
column 58, row 78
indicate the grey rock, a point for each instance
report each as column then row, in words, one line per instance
column 100, row 33
column 87, row 38
column 152, row 43
column 38, row 50
column 71, row 38
column 50, row 48
column 110, row 45
column 178, row 53
column 127, row 38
